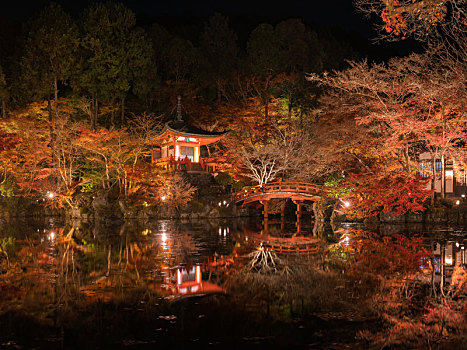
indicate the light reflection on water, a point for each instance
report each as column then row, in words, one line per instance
column 60, row 265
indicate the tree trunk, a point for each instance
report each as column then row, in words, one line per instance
column 218, row 84
column 112, row 114
column 94, row 113
column 51, row 128
column 443, row 257
column 433, row 178
column 443, row 176
column 266, row 99
column 3, row 108
column 56, row 102
column 123, row 111
column 406, row 156
column 289, row 111
column 433, row 275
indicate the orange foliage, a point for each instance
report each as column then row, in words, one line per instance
column 392, row 191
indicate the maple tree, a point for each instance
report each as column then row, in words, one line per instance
column 110, row 150
column 419, row 18
column 264, row 150
column 27, row 160
column 398, row 110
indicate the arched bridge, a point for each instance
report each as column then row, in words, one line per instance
column 296, row 191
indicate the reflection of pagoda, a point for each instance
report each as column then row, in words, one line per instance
column 190, row 282
column 179, row 144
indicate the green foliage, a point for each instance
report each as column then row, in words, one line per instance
column 263, row 51
column 8, row 189
column 7, row 245
column 114, row 53
column 196, row 206
column 89, row 245
column 51, row 50
column 334, row 186
column 224, row 179
column 89, row 186
column 338, row 252
column 239, row 185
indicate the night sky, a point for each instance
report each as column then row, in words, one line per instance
column 329, row 12
column 244, row 16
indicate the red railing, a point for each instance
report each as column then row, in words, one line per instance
column 301, row 188
column 170, row 163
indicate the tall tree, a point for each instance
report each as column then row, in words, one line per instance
column 113, row 49
column 218, row 43
column 263, row 61
column 300, row 53
column 3, row 92
column 50, row 53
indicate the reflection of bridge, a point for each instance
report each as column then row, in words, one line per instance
column 298, row 192
column 288, row 245
column 295, row 244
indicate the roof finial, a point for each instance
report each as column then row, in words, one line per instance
column 179, row 109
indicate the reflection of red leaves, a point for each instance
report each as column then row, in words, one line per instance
column 386, row 255
column 45, row 259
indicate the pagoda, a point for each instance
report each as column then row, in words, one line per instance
column 178, row 146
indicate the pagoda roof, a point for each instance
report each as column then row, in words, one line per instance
column 189, row 130
column 183, row 129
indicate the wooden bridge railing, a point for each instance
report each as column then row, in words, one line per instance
column 302, row 188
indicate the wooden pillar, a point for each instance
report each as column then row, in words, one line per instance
column 266, row 226
column 265, row 209
column 299, row 215
column 283, row 215
column 298, row 212
column 196, row 153
column 283, row 209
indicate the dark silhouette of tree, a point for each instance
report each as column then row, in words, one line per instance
column 112, row 50
column 263, row 61
column 49, row 55
column 3, row 92
column 218, row 44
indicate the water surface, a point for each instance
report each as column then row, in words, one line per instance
column 87, row 285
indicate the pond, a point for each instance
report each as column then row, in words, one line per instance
column 172, row 283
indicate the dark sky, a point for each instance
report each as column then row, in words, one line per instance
column 330, row 12
column 245, row 15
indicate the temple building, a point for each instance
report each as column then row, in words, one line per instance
column 455, row 179
column 178, row 146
